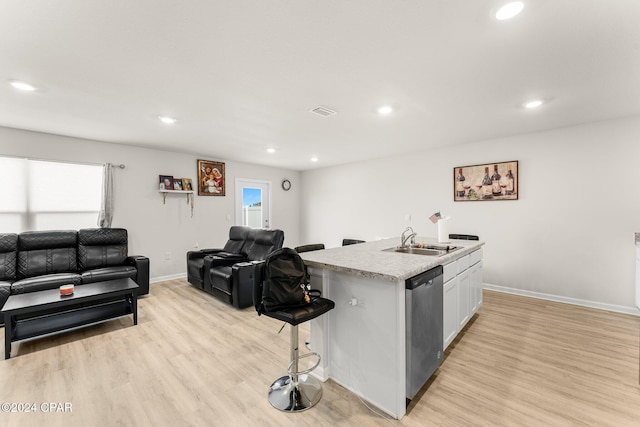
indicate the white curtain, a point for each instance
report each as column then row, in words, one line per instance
column 106, row 206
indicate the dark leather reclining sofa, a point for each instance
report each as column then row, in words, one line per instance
column 230, row 273
column 38, row 260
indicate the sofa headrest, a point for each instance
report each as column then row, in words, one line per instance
column 8, row 242
column 101, row 247
column 238, row 232
column 34, row 240
column 267, row 237
column 265, row 242
column 102, row 236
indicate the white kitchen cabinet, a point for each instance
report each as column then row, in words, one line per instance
column 463, row 299
column 449, row 311
column 462, row 294
column 475, row 294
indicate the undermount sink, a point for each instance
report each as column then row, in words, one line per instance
column 430, row 250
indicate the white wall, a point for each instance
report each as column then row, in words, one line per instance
column 158, row 230
column 571, row 233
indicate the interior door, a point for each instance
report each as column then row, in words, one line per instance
column 252, row 203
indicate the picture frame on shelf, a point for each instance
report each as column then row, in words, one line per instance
column 187, row 184
column 211, row 178
column 177, row 184
column 486, row 182
column 166, row 182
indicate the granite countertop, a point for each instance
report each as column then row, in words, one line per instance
column 369, row 260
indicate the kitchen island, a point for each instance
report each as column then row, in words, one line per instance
column 362, row 341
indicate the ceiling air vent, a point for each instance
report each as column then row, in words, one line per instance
column 323, row 111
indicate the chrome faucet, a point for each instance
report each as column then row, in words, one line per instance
column 403, row 239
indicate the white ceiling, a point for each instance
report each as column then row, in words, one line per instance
column 241, row 75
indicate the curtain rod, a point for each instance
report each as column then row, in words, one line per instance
column 120, row 166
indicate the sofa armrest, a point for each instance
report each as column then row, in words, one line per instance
column 5, row 291
column 247, row 278
column 141, row 263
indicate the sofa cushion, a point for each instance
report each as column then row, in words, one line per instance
column 221, row 278
column 46, row 252
column 8, row 256
column 101, row 247
column 108, row 273
column 46, row 281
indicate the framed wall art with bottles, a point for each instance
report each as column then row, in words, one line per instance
column 486, row 182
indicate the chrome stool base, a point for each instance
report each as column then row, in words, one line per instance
column 288, row 396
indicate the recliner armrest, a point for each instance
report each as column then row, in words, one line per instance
column 201, row 253
column 141, row 263
column 246, row 276
column 212, row 261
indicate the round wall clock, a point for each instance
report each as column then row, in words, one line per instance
column 286, row 184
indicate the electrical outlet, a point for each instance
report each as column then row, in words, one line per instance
column 195, row 245
column 167, row 256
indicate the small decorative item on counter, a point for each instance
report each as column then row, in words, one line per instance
column 435, row 217
column 66, row 290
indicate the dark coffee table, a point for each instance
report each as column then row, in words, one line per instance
column 47, row 312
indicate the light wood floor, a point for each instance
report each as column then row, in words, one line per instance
column 195, row 361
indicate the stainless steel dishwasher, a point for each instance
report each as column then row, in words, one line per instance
column 423, row 298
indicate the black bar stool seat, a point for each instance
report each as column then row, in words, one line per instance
column 298, row 391
column 296, row 315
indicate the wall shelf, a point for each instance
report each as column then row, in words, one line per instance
column 189, row 194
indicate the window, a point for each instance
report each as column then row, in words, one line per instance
column 252, row 208
column 42, row 195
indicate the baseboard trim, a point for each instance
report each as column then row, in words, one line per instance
column 169, row 277
column 556, row 298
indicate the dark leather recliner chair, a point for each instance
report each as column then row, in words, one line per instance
column 230, row 276
column 238, row 240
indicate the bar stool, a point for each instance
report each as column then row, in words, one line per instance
column 298, row 391
column 309, row 248
column 347, row 242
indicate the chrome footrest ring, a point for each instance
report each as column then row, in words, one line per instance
column 306, row 371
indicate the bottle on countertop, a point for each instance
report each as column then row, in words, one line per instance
column 495, row 182
column 486, row 185
column 460, row 183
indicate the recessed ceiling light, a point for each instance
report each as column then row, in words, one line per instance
column 509, row 10
column 271, row 150
column 22, row 86
column 385, row 109
column 535, row 103
column 167, row 120
column 314, row 159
